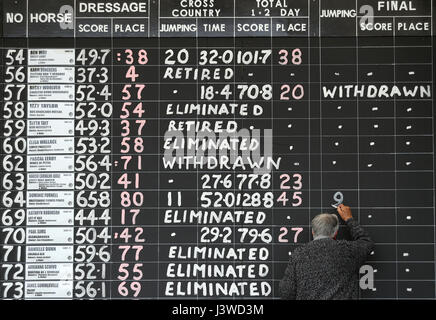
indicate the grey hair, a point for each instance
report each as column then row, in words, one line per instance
column 325, row 224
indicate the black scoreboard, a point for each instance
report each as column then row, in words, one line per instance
column 179, row 149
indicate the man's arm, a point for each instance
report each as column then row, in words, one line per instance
column 288, row 285
column 361, row 238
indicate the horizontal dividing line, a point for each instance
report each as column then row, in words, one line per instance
column 295, row 17
column 167, row 118
column 221, row 17
column 229, row 101
column 344, row 135
column 203, row 82
column 197, row 298
column 274, row 154
column 193, row 225
column 194, row 82
column 243, row 209
column 215, row 261
column 229, row 208
column 290, row 222
column 226, row 172
column 109, row 17
column 200, row 298
column 275, row 143
column 200, row 117
column 229, row 190
column 192, row 101
column 241, row 48
column 230, row 65
column 268, row 211
column 300, row 209
column 192, row 244
column 240, row 17
column 417, row 298
column 211, row 261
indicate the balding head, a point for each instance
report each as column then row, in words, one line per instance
column 325, row 224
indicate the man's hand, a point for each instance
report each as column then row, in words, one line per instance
column 344, row 212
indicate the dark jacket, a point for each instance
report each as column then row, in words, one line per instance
column 327, row 268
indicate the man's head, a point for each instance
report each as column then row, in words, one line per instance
column 325, row 225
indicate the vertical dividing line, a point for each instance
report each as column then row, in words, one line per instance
column 433, row 138
column 395, row 170
column 196, row 96
column 2, row 101
column 26, row 50
column 74, row 26
column 27, row 22
column 159, row 156
column 433, row 146
column 320, row 101
column 272, row 147
column 148, row 11
column 234, row 118
column 357, row 120
column 112, row 148
column 109, row 272
column 234, row 22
